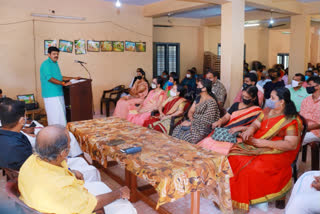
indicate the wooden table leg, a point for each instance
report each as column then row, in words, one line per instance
column 133, row 188
column 195, row 202
column 127, row 178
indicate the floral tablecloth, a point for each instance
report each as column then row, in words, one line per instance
column 174, row 167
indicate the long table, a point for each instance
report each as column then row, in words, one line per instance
column 174, row 168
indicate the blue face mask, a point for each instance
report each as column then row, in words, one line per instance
column 271, row 104
column 307, row 77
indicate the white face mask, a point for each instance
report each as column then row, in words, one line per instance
column 153, row 85
column 294, row 83
column 188, row 75
column 173, row 94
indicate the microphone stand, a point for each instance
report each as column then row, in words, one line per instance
column 85, row 69
column 90, row 79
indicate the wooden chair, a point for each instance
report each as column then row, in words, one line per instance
column 10, row 174
column 13, row 193
column 174, row 123
column 280, row 204
column 113, row 96
column 314, row 154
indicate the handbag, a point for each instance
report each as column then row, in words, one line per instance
column 222, row 134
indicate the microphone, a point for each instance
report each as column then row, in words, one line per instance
column 78, row 61
column 81, row 63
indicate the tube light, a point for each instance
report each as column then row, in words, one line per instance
column 57, row 17
column 251, row 25
column 118, row 3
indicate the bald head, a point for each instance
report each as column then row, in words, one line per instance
column 51, row 141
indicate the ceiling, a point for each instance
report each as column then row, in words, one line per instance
column 205, row 12
column 136, row 2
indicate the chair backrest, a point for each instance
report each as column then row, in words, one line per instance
column 303, row 134
column 13, row 193
column 11, row 174
column 118, row 88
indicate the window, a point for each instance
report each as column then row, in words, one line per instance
column 166, row 56
column 244, row 54
column 283, row 59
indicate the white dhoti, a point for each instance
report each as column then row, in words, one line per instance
column 75, row 149
column 56, row 110
column 90, row 173
column 119, row 206
column 310, row 137
column 304, row 198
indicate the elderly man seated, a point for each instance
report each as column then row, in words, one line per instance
column 47, row 185
column 15, row 147
column 305, row 195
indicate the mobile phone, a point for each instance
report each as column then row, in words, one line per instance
column 131, row 150
column 33, row 124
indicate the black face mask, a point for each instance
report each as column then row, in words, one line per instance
column 245, row 86
column 245, row 101
column 273, row 78
column 311, row 89
column 139, row 77
column 198, row 90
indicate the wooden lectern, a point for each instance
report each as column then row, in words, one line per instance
column 78, row 100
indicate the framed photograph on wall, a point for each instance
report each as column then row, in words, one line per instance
column 118, row 46
column 93, row 46
column 65, row 46
column 80, row 46
column 141, row 47
column 106, row 46
column 130, row 46
column 48, row 44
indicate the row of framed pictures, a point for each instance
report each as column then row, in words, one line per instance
column 94, row 46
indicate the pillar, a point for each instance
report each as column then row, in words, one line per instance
column 232, row 47
column 299, row 54
column 314, row 45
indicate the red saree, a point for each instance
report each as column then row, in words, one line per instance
column 263, row 174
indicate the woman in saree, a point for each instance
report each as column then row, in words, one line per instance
column 262, row 163
column 238, row 117
column 173, row 106
column 137, row 95
column 156, row 96
column 203, row 112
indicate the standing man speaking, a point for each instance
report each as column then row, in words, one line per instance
column 51, row 85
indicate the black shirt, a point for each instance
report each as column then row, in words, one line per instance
column 269, row 86
column 233, row 108
column 15, row 149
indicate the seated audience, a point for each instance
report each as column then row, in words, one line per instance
column 0, row 93
column 315, row 72
column 156, row 96
column 275, row 83
column 262, row 163
column 165, row 76
column 309, row 74
column 285, row 76
column 47, row 185
column 218, row 88
column 264, row 79
column 249, row 80
column 203, row 112
column 305, row 195
column 172, row 107
column 189, row 82
column 134, row 79
column 16, row 148
column 297, row 92
column 239, row 116
column 173, row 80
column 173, row 75
column 310, row 110
column 138, row 92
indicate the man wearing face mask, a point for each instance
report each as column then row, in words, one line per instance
column 310, row 110
column 188, row 82
column 276, row 82
column 297, row 92
column 309, row 74
column 249, row 80
column 15, row 147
